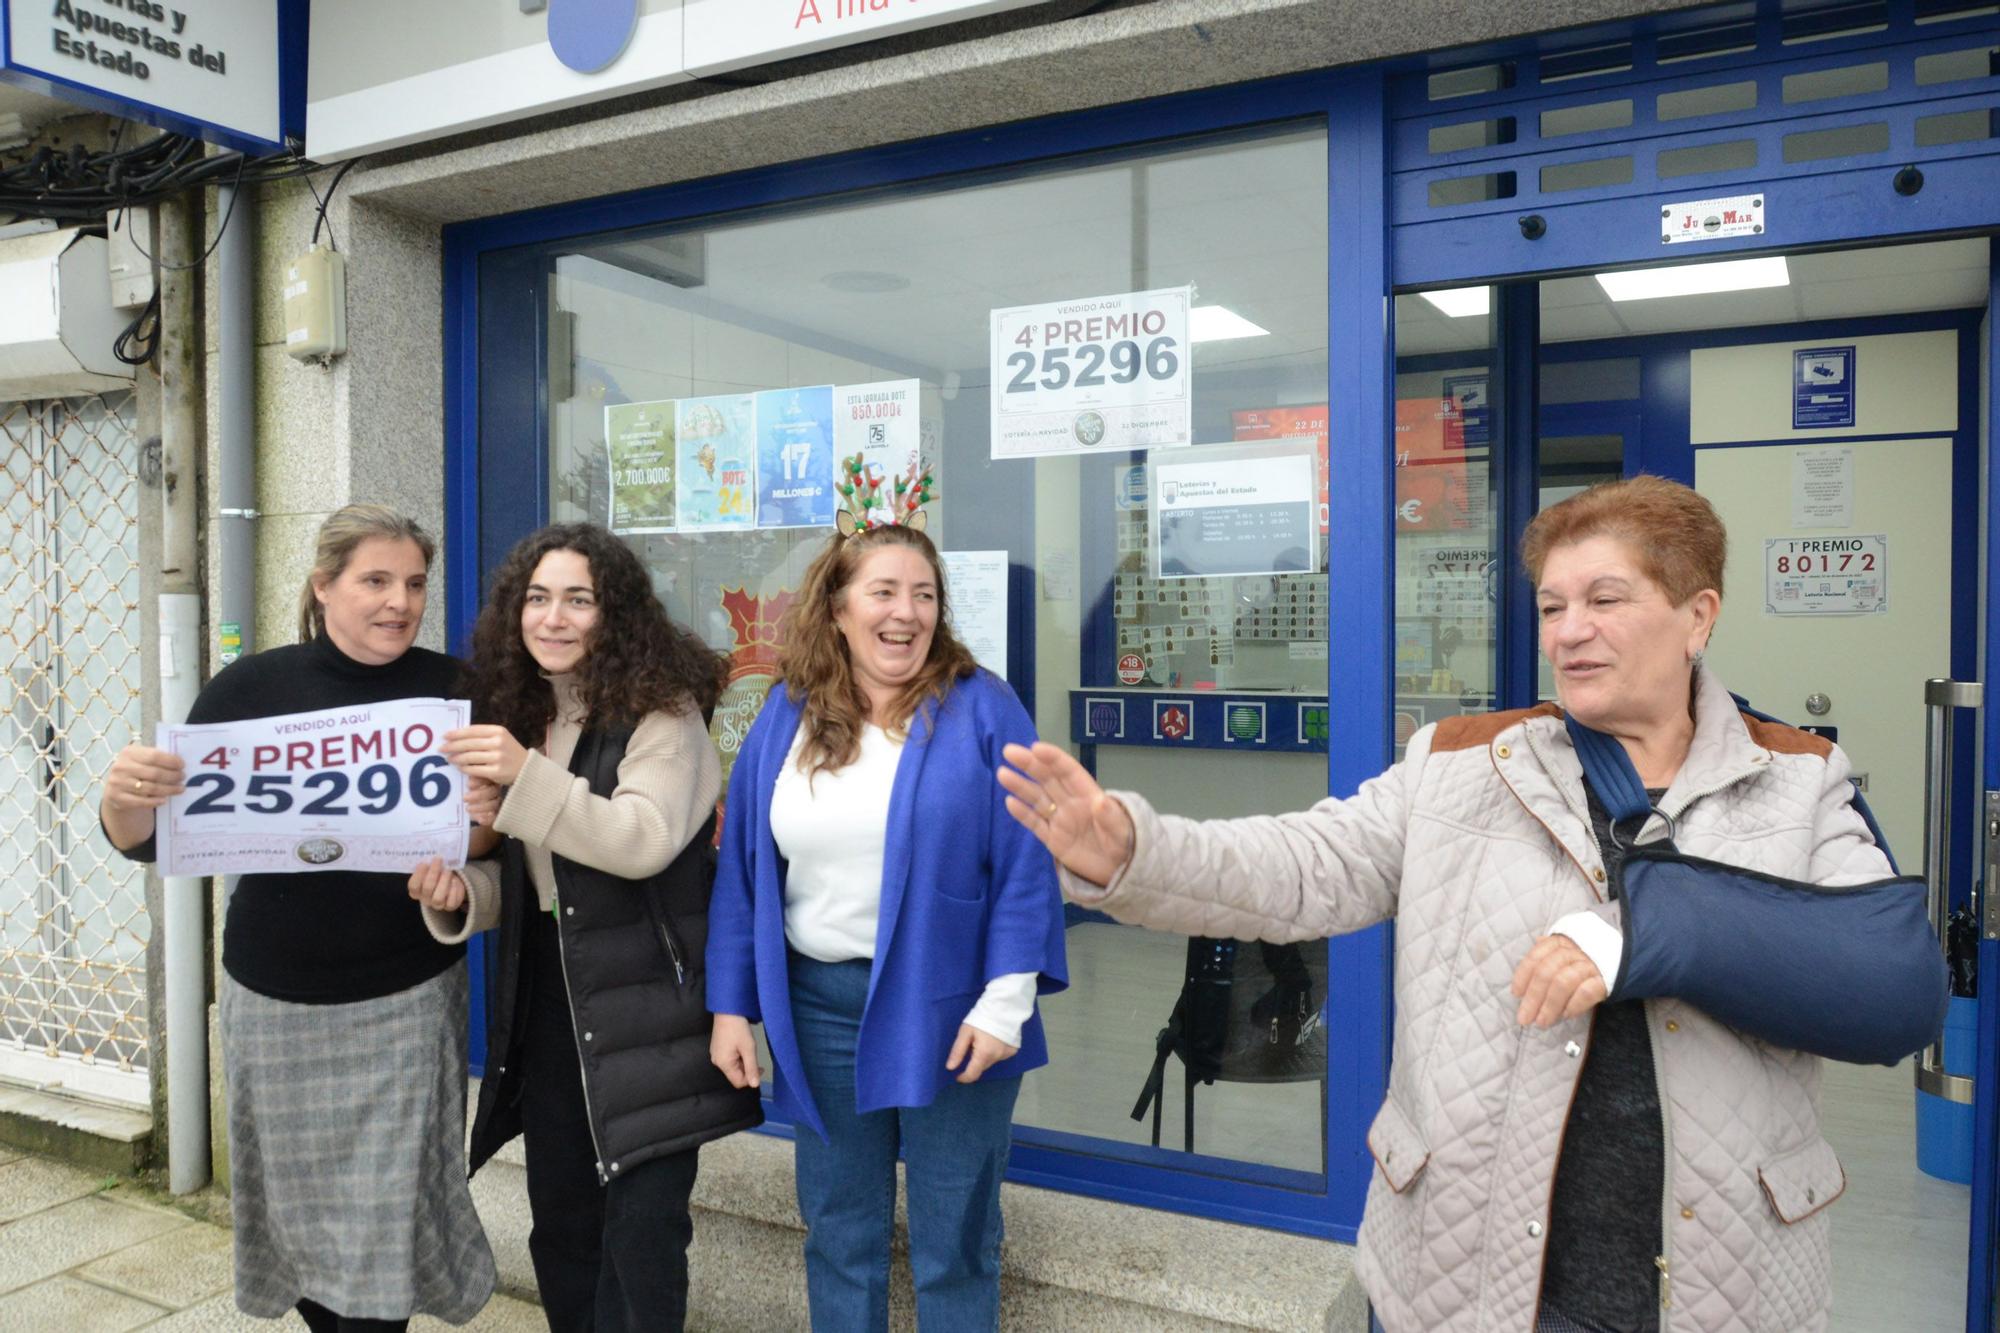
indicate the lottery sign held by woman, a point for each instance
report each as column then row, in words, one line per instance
column 339, row 789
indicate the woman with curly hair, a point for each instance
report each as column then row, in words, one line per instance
column 891, row 928
column 591, row 754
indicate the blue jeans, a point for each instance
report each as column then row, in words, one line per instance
column 954, row 1150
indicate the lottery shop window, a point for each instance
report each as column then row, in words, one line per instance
column 1446, row 535
column 715, row 389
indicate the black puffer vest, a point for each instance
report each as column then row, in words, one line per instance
column 632, row 958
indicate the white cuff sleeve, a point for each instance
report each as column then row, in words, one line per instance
column 1600, row 941
column 1005, row 1007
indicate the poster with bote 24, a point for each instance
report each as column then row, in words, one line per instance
column 361, row 788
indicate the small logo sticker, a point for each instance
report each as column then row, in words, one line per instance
column 319, row 851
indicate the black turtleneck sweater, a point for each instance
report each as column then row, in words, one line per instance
column 330, row 936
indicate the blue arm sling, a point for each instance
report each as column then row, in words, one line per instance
column 1852, row 973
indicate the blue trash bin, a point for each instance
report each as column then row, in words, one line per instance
column 1944, row 1128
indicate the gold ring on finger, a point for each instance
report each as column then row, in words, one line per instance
column 139, row 786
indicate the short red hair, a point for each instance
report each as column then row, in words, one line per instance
column 1680, row 542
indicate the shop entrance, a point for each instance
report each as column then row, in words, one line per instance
column 1833, row 415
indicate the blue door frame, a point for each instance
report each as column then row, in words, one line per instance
column 495, row 425
column 1982, row 1299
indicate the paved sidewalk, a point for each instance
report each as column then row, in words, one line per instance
column 81, row 1253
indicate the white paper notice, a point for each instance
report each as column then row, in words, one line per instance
column 1059, row 576
column 1101, row 374
column 1823, row 488
column 977, row 583
column 882, row 422
column 360, row 788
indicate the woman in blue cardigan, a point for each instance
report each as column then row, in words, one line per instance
column 879, row 912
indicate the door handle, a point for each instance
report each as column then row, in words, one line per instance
column 1941, row 699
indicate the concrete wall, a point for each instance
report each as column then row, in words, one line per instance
column 315, row 450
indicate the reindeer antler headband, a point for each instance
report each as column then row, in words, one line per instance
column 863, row 506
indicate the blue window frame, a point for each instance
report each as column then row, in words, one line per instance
column 497, row 489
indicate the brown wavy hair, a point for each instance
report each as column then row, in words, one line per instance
column 639, row 661
column 814, row 664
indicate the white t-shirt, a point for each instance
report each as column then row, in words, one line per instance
column 833, row 831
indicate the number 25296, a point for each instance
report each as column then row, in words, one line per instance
column 378, row 789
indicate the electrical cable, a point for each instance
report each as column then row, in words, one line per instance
column 235, row 189
column 142, row 333
column 77, row 185
column 332, row 185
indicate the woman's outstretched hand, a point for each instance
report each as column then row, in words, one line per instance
column 1053, row 797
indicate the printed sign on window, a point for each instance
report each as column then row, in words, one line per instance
column 795, row 458
column 360, row 788
column 1102, row 374
column 1235, row 509
column 716, row 449
column 639, row 440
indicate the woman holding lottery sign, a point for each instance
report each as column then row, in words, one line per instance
column 592, row 756
column 342, row 1018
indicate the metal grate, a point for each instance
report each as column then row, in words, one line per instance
column 1769, row 96
column 73, row 922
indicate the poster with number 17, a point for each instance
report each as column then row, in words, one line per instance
column 1100, row 374
column 360, row 788
column 795, row 458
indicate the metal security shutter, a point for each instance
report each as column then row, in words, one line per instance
column 73, row 921
column 1818, row 107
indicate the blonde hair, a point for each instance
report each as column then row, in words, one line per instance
column 814, row 664
column 344, row 530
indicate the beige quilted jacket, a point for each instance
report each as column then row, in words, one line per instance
column 1475, row 843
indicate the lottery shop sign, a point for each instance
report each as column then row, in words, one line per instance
column 360, row 788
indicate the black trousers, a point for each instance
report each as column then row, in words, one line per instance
column 608, row 1258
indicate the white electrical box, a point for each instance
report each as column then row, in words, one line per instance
column 57, row 322
column 127, row 233
column 316, row 305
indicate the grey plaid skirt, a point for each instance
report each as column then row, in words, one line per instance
column 346, row 1154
